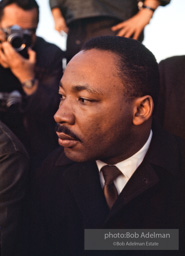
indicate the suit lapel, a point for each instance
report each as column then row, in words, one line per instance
column 83, row 180
column 143, row 179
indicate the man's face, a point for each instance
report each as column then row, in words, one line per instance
column 14, row 15
column 94, row 118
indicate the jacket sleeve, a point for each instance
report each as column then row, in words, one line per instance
column 165, row 2
column 162, row 2
column 13, row 180
column 55, row 3
column 40, row 107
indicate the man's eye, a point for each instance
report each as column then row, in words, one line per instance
column 62, row 97
column 84, row 100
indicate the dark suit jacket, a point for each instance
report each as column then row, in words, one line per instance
column 171, row 105
column 68, row 198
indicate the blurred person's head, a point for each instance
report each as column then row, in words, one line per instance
column 23, row 13
column 108, row 91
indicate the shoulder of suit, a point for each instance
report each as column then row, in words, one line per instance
column 173, row 61
column 45, row 47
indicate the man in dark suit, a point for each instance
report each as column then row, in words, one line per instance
column 108, row 92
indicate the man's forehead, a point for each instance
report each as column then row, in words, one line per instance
column 94, row 63
column 94, row 54
column 13, row 14
column 94, row 71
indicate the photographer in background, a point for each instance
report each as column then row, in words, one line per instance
column 30, row 71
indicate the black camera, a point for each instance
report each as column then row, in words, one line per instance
column 19, row 38
column 10, row 100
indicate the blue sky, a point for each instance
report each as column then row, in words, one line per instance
column 164, row 36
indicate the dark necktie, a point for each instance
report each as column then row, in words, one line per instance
column 110, row 173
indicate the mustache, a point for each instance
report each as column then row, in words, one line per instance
column 60, row 128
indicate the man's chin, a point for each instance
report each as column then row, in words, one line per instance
column 76, row 156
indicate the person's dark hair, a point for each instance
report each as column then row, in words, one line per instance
column 137, row 66
column 24, row 4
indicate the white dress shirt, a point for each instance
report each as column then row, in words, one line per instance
column 127, row 167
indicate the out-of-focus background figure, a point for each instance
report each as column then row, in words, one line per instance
column 82, row 20
column 171, row 103
column 162, row 35
column 30, row 71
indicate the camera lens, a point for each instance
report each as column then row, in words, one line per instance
column 16, row 41
column 19, row 38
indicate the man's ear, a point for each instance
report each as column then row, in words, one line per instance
column 143, row 108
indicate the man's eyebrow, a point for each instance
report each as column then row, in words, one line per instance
column 86, row 87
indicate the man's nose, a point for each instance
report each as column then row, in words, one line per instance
column 65, row 114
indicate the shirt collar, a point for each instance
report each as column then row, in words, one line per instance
column 129, row 165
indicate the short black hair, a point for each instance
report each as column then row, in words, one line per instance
column 137, row 66
column 24, row 4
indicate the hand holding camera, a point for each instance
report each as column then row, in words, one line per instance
column 20, row 39
column 15, row 42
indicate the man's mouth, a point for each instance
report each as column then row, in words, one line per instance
column 66, row 141
column 66, row 138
